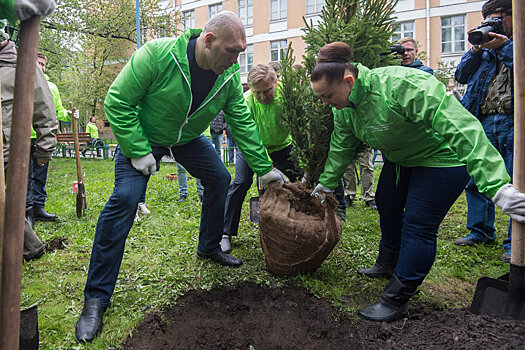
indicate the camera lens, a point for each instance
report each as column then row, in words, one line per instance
column 476, row 37
column 480, row 35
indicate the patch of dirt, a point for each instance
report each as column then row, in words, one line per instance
column 246, row 317
column 249, row 317
column 433, row 328
column 55, row 244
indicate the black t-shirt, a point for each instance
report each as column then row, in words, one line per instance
column 201, row 80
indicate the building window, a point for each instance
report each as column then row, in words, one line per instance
column 188, row 19
column 453, row 34
column 403, row 30
column 214, row 9
column 245, row 11
column 246, row 59
column 314, row 6
column 143, row 33
column 277, row 10
column 277, row 50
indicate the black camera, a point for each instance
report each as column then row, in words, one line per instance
column 398, row 49
column 481, row 35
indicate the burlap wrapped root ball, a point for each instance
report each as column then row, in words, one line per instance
column 297, row 232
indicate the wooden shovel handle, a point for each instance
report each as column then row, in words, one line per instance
column 74, row 126
column 518, row 229
column 13, row 239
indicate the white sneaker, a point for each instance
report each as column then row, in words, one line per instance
column 143, row 209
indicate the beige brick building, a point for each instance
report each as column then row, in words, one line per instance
column 439, row 26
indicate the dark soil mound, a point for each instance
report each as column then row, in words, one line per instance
column 246, row 317
column 253, row 317
column 432, row 328
column 55, row 244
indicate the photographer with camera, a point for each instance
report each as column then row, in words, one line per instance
column 408, row 55
column 487, row 69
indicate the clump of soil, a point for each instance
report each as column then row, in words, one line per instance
column 55, row 244
column 246, row 317
column 253, row 317
column 432, row 328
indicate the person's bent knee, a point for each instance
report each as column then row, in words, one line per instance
column 223, row 178
column 127, row 200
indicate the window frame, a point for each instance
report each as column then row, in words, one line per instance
column 279, row 48
column 191, row 19
column 210, row 7
column 244, row 12
column 315, row 5
column 403, row 32
column 453, row 38
column 247, row 54
column 281, row 14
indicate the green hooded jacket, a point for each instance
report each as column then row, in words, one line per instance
column 274, row 133
column 407, row 114
column 92, row 129
column 148, row 103
column 61, row 112
column 7, row 10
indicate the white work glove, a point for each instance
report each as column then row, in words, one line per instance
column 511, row 201
column 145, row 164
column 320, row 192
column 274, row 175
column 74, row 114
column 27, row 8
column 304, row 178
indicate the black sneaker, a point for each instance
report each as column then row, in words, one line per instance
column 505, row 257
column 371, row 204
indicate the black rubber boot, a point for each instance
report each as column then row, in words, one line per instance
column 89, row 324
column 393, row 303
column 385, row 264
column 39, row 213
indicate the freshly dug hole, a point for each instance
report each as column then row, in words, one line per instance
column 243, row 316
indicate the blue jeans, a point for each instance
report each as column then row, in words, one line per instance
column 215, row 139
column 480, row 218
column 36, row 182
column 231, row 146
column 411, row 210
column 182, row 180
column 243, row 181
column 116, row 219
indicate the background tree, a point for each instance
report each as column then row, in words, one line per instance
column 88, row 42
column 367, row 26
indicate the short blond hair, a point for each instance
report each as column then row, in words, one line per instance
column 406, row 40
column 41, row 55
column 261, row 72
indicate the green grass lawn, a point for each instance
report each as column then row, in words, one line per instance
column 160, row 259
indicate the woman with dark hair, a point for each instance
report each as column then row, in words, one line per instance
column 430, row 144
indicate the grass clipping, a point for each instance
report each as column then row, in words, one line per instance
column 297, row 232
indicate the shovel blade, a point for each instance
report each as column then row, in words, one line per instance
column 254, row 210
column 501, row 297
column 29, row 337
column 81, row 199
column 490, row 297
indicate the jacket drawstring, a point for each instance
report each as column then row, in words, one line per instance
column 398, row 174
column 171, row 153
